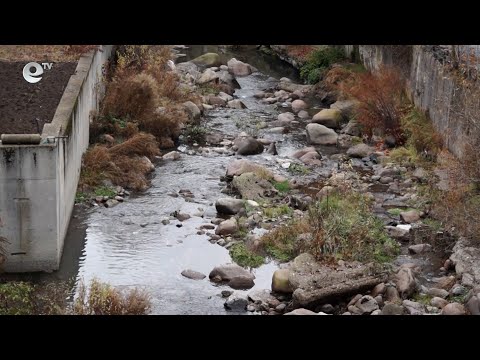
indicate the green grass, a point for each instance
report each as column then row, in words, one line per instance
column 318, row 62
column 282, row 187
column 105, row 191
column 298, row 169
column 422, row 299
column 397, row 211
column 434, row 224
column 81, row 197
column 244, row 257
column 276, row 211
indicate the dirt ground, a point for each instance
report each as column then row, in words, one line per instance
column 25, row 107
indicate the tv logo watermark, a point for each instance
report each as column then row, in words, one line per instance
column 34, row 77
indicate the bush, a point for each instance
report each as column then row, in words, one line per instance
column 318, row 62
column 195, row 133
column 381, row 97
column 103, row 299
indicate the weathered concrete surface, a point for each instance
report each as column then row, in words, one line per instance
column 38, row 183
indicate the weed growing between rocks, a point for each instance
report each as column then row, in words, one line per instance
column 319, row 61
column 341, row 226
column 243, row 256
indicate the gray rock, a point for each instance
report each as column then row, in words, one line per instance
column 354, row 300
column 248, row 146
column 259, row 94
column 225, row 96
column 301, row 311
column 272, row 149
column 466, row 257
column 235, row 276
column 302, row 114
column 253, row 187
column 286, row 117
column 468, row 280
column 379, row 300
column 172, row 155
column 327, row 308
column 330, row 118
column 398, row 233
column 229, row 206
column 208, row 59
column 236, row 104
column 236, row 302
column 299, row 153
column 346, row 107
column 298, row 105
column 192, row 110
column 239, row 68
column 419, row 248
column 420, row 174
column 251, row 308
column 280, row 308
column 354, row 310
column 438, row 302
column 207, row 76
column 410, row 216
column 473, row 305
column 215, row 100
column 441, row 293
column 347, row 313
column 366, row 304
column 182, row 216
column 280, row 281
column 392, row 309
column 386, row 180
column 353, row 128
column 379, row 290
column 227, row 227
column 321, row 135
column 226, row 293
column 405, row 281
column 360, row 151
column 111, row 203
column 414, row 308
column 454, row 309
column 194, row 275
column 239, row 167
column 458, row 290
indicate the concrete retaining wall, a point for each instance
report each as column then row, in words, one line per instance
column 38, row 183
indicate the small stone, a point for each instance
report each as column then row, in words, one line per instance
column 391, row 295
column 119, row 198
column 414, row 308
column 379, row 300
column 165, row 221
column 366, row 304
column 301, row 311
column 182, row 216
column 143, row 224
column 410, row 216
column 281, row 307
column 354, row 299
column 386, row 180
column 473, row 305
column 376, row 312
column 251, row 308
column 111, row 203
column 458, row 290
column 226, row 293
column 194, row 275
column 354, row 310
column 419, row 248
column 378, row 290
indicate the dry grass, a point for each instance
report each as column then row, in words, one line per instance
column 103, row 299
column 122, row 164
column 381, row 97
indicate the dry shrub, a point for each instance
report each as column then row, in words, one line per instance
column 103, row 299
column 79, row 50
column 458, row 207
column 141, row 144
column 134, row 59
column 381, row 98
column 420, row 133
column 167, row 122
column 132, row 97
column 122, row 164
column 165, row 143
column 338, row 76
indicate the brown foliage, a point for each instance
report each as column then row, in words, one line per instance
column 380, row 95
column 103, row 299
column 139, row 145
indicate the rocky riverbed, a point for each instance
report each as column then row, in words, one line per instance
column 263, row 129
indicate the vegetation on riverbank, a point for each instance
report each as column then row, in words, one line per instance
column 341, row 226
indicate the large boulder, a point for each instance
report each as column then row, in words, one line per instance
column 239, row 167
column 248, row 146
column 360, row 151
column 229, row 206
column 239, row 68
column 253, row 187
column 353, row 128
column 227, row 227
column 208, row 60
column 207, row 76
column 330, row 118
column 232, row 274
column 321, row 135
column 280, row 282
column 236, row 302
column 346, row 107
